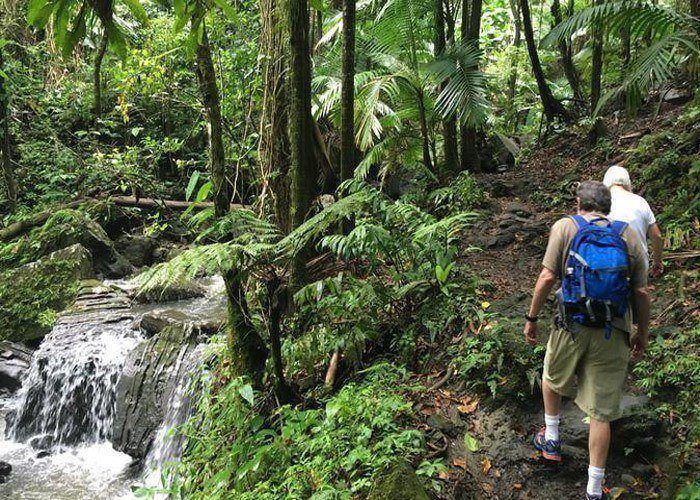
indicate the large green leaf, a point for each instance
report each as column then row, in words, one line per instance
column 137, row 10
column 38, row 12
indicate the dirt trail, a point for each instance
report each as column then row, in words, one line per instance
column 524, row 203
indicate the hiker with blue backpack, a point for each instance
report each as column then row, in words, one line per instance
column 602, row 265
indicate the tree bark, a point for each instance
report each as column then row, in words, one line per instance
column 6, row 140
column 597, row 62
column 97, row 76
column 517, row 40
column 276, row 307
column 566, row 55
column 551, row 106
column 470, row 155
column 274, row 147
column 303, row 168
column 210, row 99
column 425, row 135
column 347, row 134
column 449, row 125
column 247, row 350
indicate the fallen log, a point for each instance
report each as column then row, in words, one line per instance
column 20, row 227
column 132, row 201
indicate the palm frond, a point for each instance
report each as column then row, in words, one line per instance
column 464, row 93
column 637, row 16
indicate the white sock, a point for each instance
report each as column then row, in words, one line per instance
column 551, row 432
column 595, row 480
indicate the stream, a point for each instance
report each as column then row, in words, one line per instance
column 60, row 431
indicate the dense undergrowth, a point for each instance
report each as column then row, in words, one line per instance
column 332, row 451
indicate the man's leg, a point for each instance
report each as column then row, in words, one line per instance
column 598, row 445
column 552, row 402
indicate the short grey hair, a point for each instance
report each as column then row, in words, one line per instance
column 594, row 196
column 618, row 176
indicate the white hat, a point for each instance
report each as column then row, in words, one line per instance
column 617, row 176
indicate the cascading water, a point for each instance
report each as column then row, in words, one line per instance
column 62, row 421
column 69, row 391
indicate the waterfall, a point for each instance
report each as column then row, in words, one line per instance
column 68, row 395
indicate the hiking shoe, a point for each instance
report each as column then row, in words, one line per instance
column 604, row 496
column 551, row 450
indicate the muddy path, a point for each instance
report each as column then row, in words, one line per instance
column 512, row 235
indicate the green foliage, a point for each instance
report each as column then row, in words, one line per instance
column 492, row 357
column 670, row 373
column 331, row 452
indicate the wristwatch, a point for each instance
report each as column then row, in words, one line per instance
column 531, row 319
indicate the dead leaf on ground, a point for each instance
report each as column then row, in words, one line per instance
column 444, row 475
column 617, row 493
column 469, row 407
column 459, row 462
column 517, row 486
column 486, row 466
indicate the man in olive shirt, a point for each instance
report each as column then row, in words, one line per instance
column 581, row 354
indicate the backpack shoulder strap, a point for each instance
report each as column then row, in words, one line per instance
column 618, row 227
column 579, row 220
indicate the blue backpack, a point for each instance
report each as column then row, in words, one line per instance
column 595, row 285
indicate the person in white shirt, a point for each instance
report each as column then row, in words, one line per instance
column 634, row 210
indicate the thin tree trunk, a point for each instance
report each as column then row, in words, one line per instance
column 347, row 134
column 97, row 76
column 449, row 125
column 470, row 155
column 210, row 98
column 566, row 56
column 304, row 168
column 551, row 106
column 597, row 62
column 6, row 141
column 274, row 147
column 246, row 347
column 517, row 40
column 276, row 306
column 425, row 135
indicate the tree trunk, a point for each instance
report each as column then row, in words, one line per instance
column 470, row 155
column 347, row 134
column 551, row 106
column 517, row 39
column 566, row 56
column 212, row 106
column 304, row 169
column 247, row 350
column 425, row 135
column 597, row 62
column 246, row 347
column 5, row 139
column 449, row 125
column 274, row 147
column 276, row 306
column 97, row 76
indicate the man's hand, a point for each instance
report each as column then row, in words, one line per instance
column 530, row 331
column 657, row 270
column 639, row 345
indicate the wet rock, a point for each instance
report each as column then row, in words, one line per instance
column 5, row 471
column 43, row 454
column 172, row 292
column 501, row 239
column 628, row 479
column 154, row 322
column 398, row 481
column 136, row 249
column 42, row 442
column 677, row 96
column 28, row 293
column 146, row 387
column 517, row 208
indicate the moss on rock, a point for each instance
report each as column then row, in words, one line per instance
column 32, row 295
column 398, row 481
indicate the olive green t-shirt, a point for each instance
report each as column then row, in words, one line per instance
column 560, row 237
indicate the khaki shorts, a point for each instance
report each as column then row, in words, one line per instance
column 600, row 366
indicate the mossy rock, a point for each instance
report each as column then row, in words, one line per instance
column 398, row 481
column 32, row 295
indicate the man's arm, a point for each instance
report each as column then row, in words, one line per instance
column 643, row 303
column 657, row 248
column 545, row 282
